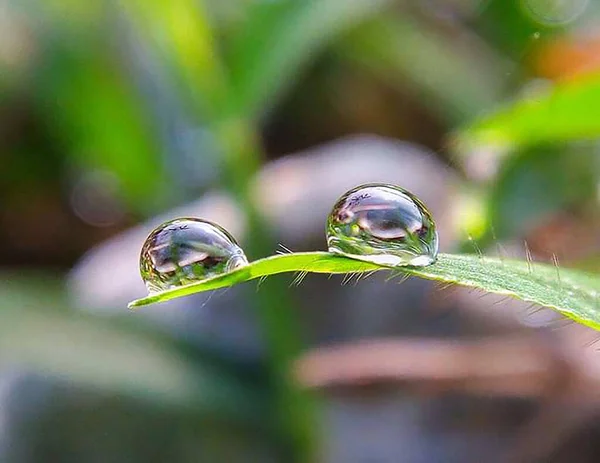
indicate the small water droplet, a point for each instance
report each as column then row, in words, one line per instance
column 554, row 12
column 383, row 224
column 187, row 250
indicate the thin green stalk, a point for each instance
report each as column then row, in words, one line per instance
column 275, row 307
column 188, row 47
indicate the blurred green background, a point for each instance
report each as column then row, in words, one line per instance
column 117, row 114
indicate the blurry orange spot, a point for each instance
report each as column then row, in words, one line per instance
column 566, row 58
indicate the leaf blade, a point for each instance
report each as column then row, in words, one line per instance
column 573, row 293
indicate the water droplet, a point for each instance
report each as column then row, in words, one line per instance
column 184, row 251
column 383, row 224
column 554, row 12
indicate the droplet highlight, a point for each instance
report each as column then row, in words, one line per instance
column 383, row 224
column 188, row 250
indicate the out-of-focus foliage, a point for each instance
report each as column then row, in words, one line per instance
column 440, row 72
column 277, row 39
column 114, row 358
column 539, row 182
column 546, row 115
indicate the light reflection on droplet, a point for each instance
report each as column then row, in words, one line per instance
column 185, row 251
column 384, row 224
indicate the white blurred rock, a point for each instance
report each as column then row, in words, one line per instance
column 297, row 192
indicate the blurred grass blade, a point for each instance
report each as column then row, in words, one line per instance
column 566, row 112
column 279, row 37
column 112, row 360
column 37, row 333
column 451, row 77
column 180, row 31
column 574, row 294
column 102, row 121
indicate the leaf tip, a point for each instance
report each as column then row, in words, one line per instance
column 133, row 305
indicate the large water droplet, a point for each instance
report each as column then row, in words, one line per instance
column 383, row 224
column 187, row 250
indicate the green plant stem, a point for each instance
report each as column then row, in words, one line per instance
column 242, row 155
column 188, row 49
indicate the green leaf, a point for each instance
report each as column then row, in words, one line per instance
column 566, row 112
column 573, row 293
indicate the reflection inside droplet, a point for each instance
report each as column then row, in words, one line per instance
column 384, row 224
column 187, row 250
